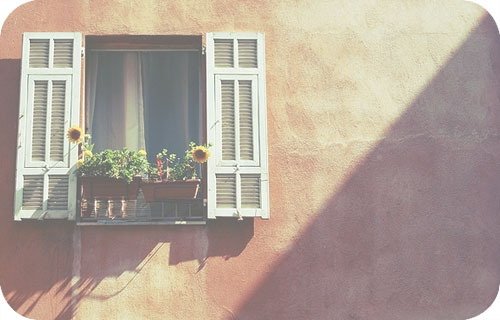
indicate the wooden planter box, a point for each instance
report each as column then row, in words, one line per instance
column 164, row 190
column 109, row 188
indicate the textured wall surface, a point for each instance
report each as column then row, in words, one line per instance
column 384, row 150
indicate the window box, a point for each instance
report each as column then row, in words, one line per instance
column 109, row 188
column 175, row 189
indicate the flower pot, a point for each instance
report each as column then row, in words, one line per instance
column 109, row 188
column 164, row 190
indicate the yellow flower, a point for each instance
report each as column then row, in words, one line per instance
column 87, row 154
column 79, row 163
column 142, row 153
column 75, row 134
column 200, row 154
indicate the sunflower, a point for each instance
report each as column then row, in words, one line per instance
column 200, row 154
column 142, row 152
column 87, row 154
column 75, row 134
column 79, row 163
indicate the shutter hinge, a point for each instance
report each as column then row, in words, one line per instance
column 239, row 215
column 83, row 52
column 203, row 50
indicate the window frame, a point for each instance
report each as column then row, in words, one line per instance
column 151, row 43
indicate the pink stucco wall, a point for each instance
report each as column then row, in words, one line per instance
column 384, row 152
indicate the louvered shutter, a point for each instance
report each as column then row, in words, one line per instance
column 237, row 127
column 49, row 105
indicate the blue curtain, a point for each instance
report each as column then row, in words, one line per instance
column 171, row 91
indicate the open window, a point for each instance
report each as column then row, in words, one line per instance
column 144, row 92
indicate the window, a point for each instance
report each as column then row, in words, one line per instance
column 233, row 117
column 144, row 93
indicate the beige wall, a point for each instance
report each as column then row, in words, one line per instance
column 384, row 151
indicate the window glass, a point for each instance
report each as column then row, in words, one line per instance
column 145, row 100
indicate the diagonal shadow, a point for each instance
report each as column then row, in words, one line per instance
column 44, row 264
column 414, row 231
column 47, row 268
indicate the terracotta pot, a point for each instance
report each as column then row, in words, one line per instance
column 163, row 190
column 109, row 188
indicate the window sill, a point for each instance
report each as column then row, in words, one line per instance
column 109, row 222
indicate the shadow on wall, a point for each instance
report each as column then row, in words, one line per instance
column 110, row 251
column 40, row 258
column 414, row 232
column 42, row 263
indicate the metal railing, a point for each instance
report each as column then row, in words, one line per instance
column 103, row 210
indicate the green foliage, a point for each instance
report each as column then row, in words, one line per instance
column 119, row 164
column 176, row 168
column 185, row 168
column 86, row 145
column 125, row 164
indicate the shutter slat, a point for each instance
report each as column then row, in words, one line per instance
column 32, row 192
column 246, row 120
column 224, row 53
column 63, row 53
column 58, row 192
column 57, row 120
column 227, row 114
column 39, row 53
column 247, row 53
column 226, row 190
column 39, row 121
column 250, row 191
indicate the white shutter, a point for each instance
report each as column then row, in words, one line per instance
column 49, row 105
column 237, row 127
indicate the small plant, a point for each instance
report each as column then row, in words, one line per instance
column 161, row 171
column 118, row 164
column 175, row 177
column 169, row 167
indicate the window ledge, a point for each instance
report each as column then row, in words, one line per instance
column 108, row 222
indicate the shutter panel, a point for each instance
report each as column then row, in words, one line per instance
column 227, row 118
column 49, row 105
column 224, row 53
column 33, row 192
column 57, row 120
column 39, row 53
column 226, row 190
column 58, row 192
column 247, row 53
column 237, row 127
column 63, row 53
column 39, row 121
column 250, row 191
column 246, row 120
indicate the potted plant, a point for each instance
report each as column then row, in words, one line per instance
column 175, row 178
column 111, row 174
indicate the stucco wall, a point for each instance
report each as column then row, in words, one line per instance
column 384, row 152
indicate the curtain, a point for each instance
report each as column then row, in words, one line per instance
column 144, row 100
column 116, row 114
column 171, row 101
column 91, row 65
